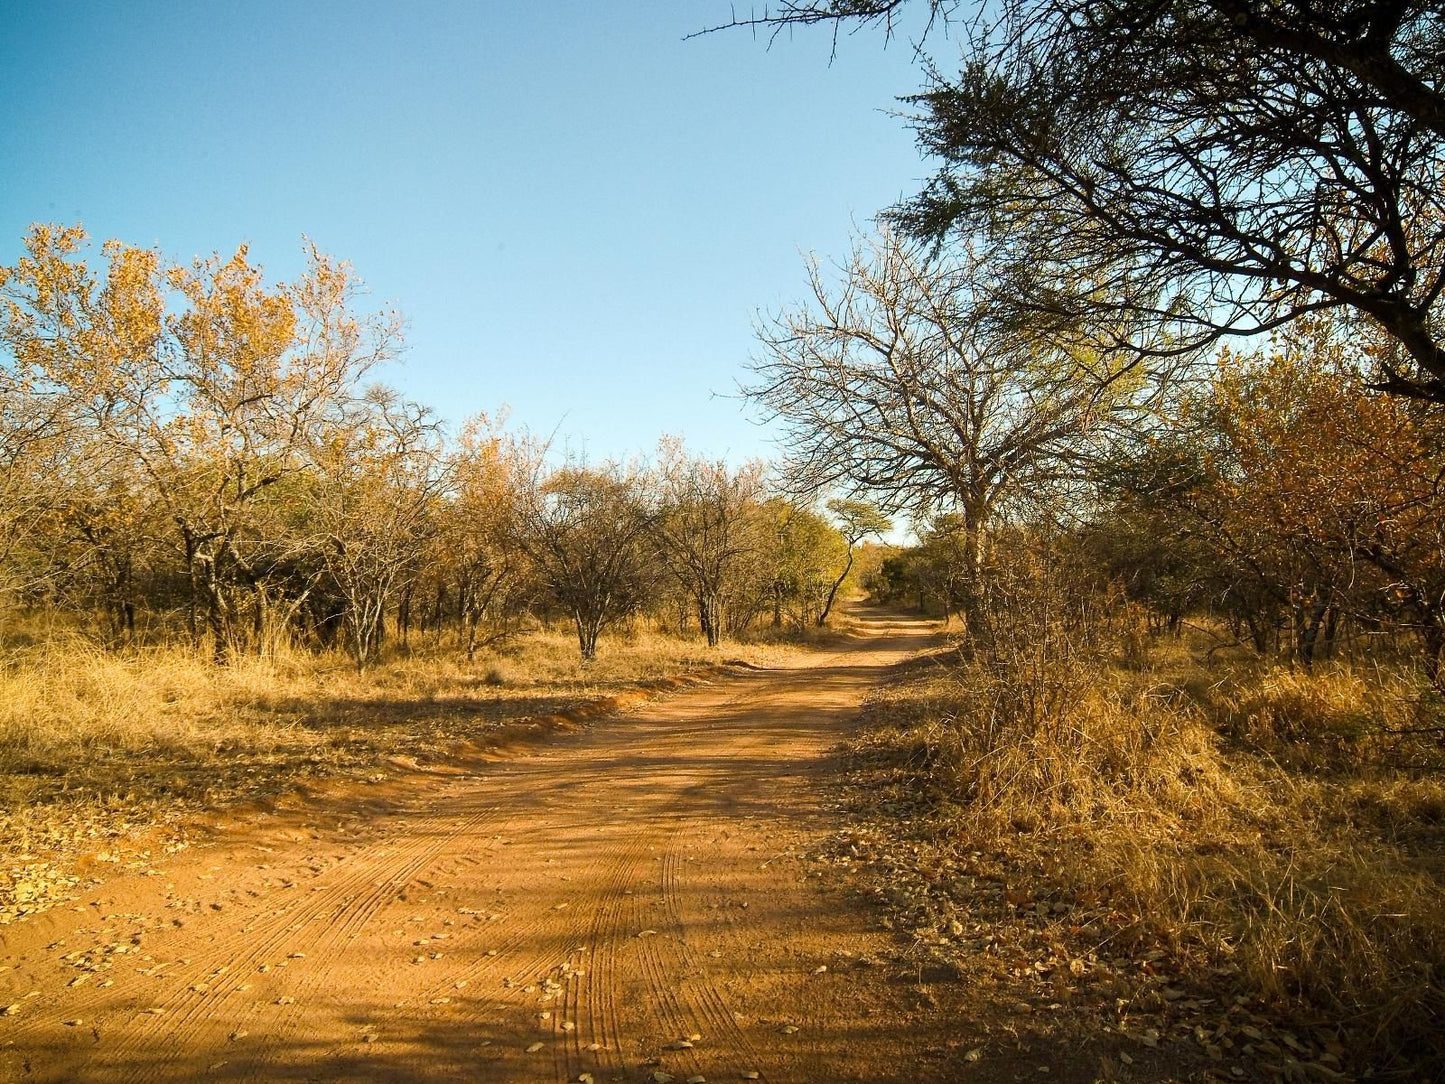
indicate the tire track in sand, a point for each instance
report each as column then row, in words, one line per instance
column 374, row 879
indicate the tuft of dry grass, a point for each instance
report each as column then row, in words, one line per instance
column 69, row 698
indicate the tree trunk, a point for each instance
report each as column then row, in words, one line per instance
column 588, row 629
column 258, row 622
column 709, row 616
column 366, row 627
column 970, row 603
column 1331, row 630
column 216, row 623
column 403, row 617
column 833, row 591
column 1308, row 619
column 192, row 623
column 1433, row 635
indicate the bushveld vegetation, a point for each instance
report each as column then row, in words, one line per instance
column 209, row 516
column 194, row 450
column 1195, row 693
column 1154, row 362
column 1196, row 682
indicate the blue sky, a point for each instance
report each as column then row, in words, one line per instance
column 579, row 212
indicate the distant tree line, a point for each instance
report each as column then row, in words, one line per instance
column 191, row 450
column 1279, row 496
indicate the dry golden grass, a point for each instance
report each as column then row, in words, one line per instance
column 70, row 698
column 1278, row 832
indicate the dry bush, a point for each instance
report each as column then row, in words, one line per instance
column 1319, row 892
column 1407, row 811
column 1283, row 706
column 1057, row 747
column 843, row 622
column 1044, row 728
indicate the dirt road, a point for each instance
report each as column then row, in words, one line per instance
column 621, row 902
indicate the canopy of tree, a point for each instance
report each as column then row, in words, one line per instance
column 1172, row 172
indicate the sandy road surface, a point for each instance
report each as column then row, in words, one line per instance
column 579, row 907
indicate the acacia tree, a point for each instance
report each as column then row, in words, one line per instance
column 74, row 347
column 478, row 525
column 260, row 375
column 856, row 520
column 104, row 535
column 372, row 488
column 707, row 527
column 1337, row 491
column 898, row 384
column 1205, row 167
column 939, row 564
column 1163, row 533
column 587, row 530
column 1289, row 498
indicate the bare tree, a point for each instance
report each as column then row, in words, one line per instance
column 897, row 385
column 889, row 15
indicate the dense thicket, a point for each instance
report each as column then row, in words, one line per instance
column 1279, row 496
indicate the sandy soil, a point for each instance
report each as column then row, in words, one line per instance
column 623, row 902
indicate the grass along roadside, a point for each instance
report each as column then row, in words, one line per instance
column 1239, row 862
column 105, row 757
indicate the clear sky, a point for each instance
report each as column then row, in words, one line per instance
column 579, row 212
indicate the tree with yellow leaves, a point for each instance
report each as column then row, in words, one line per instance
column 478, row 525
column 203, row 381
column 1336, row 488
